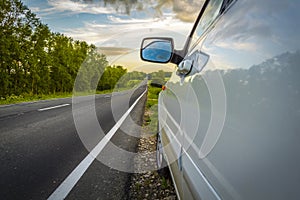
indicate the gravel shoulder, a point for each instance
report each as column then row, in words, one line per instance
column 149, row 184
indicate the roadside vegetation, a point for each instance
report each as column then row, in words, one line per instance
column 38, row 64
column 35, row 60
column 151, row 111
column 151, row 185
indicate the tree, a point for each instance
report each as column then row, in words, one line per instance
column 158, row 77
column 36, row 61
column 110, row 77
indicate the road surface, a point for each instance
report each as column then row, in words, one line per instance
column 40, row 147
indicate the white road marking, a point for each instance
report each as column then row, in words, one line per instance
column 66, row 186
column 53, row 107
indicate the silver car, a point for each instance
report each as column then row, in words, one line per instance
column 229, row 118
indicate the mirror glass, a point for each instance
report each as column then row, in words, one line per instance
column 157, row 50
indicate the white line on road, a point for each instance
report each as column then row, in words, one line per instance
column 53, row 107
column 66, row 186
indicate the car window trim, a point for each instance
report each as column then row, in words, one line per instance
column 226, row 4
column 189, row 39
column 179, row 55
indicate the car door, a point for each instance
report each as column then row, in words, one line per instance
column 247, row 98
column 198, row 109
column 179, row 118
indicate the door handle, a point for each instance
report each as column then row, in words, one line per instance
column 192, row 64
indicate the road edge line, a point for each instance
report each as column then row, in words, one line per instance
column 67, row 185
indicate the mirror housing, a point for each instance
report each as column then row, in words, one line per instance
column 157, row 50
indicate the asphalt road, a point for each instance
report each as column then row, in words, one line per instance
column 40, row 146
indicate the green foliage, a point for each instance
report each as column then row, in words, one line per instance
column 151, row 102
column 153, row 92
column 168, row 74
column 110, row 77
column 90, row 72
column 36, row 61
column 131, row 79
column 158, row 77
column 151, row 112
column 164, row 183
column 29, row 97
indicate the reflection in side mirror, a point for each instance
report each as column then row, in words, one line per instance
column 159, row 50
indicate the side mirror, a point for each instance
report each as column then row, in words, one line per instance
column 158, row 50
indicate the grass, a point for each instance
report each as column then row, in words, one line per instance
column 164, row 183
column 153, row 92
column 37, row 97
column 151, row 110
column 28, row 97
column 12, row 99
column 152, row 96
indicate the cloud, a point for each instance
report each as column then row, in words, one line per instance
column 117, row 24
column 186, row 11
column 74, row 7
column 113, row 51
column 35, row 9
column 119, row 20
column 244, row 46
column 128, row 33
column 120, row 39
column 67, row 5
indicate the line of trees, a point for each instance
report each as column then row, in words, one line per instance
column 35, row 60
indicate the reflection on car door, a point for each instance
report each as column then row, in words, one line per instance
column 199, row 119
column 254, row 152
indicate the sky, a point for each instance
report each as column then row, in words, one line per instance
column 117, row 29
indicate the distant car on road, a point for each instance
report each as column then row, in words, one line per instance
column 229, row 118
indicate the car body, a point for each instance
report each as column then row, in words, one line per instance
column 229, row 118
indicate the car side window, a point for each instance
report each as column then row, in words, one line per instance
column 210, row 14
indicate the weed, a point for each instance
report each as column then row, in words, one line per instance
column 164, row 183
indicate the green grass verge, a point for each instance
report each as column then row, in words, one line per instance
column 29, row 97
column 151, row 110
column 152, row 99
